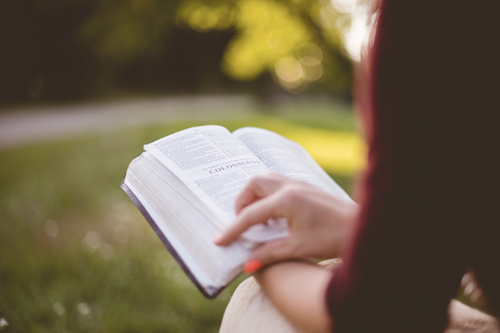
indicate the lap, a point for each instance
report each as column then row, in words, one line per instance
column 250, row 311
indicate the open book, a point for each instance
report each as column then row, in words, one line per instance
column 185, row 185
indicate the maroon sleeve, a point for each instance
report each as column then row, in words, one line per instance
column 430, row 205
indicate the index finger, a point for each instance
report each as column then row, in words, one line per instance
column 257, row 188
column 259, row 212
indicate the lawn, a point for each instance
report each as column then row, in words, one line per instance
column 77, row 256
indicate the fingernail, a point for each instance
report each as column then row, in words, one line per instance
column 252, row 266
column 216, row 239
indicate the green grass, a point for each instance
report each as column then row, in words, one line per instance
column 77, row 256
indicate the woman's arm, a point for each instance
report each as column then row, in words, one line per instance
column 319, row 226
column 297, row 289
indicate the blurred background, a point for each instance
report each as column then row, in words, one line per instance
column 85, row 83
column 57, row 51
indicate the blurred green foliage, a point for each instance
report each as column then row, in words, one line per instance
column 66, row 49
column 268, row 31
column 123, row 30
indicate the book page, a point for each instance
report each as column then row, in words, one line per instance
column 167, row 176
column 288, row 158
column 176, row 216
column 211, row 163
column 215, row 166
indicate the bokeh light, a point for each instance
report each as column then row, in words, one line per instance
column 289, row 70
column 203, row 18
column 356, row 26
column 344, row 6
column 313, row 73
column 309, row 54
column 290, row 74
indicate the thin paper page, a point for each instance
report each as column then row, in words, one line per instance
column 332, row 187
column 166, row 175
column 190, row 226
column 212, row 163
column 287, row 158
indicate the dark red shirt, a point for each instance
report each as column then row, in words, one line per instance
column 430, row 207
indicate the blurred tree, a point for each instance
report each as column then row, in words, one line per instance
column 63, row 49
column 297, row 40
column 123, row 30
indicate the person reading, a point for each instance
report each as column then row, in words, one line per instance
column 429, row 201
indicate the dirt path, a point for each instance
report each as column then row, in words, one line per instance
column 20, row 127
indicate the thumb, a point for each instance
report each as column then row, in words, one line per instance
column 269, row 253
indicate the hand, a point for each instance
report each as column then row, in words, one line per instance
column 319, row 223
column 472, row 289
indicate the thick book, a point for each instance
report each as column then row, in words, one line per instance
column 185, row 185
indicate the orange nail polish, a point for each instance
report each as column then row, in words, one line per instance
column 252, row 266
